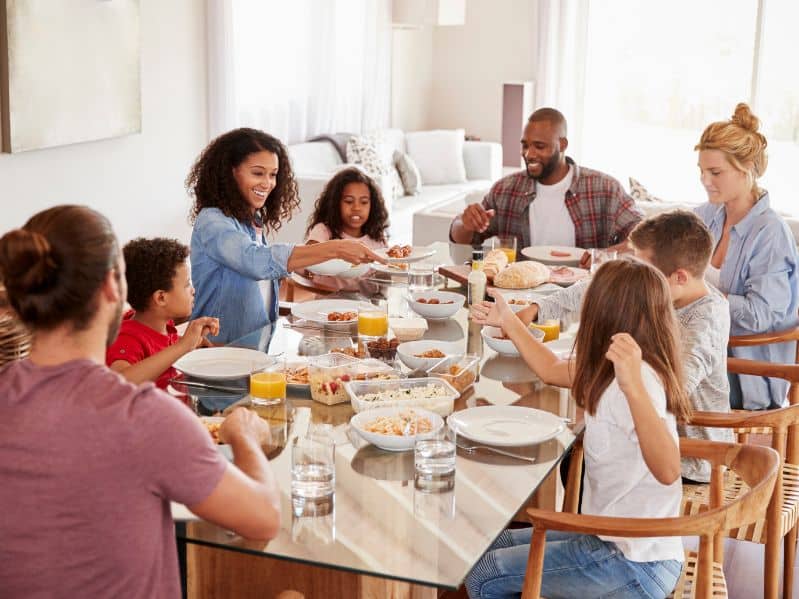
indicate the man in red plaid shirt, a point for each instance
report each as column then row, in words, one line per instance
column 553, row 201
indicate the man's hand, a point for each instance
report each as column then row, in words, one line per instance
column 245, row 424
column 476, row 218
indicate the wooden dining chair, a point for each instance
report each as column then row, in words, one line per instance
column 780, row 521
column 702, row 576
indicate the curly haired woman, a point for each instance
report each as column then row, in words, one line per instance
column 243, row 189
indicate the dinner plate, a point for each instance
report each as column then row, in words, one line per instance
column 223, row 363
column 317, row 311
column 567, row 275
column 417, row 253
column 391, row 269
column 544, row 254
column 506, row 426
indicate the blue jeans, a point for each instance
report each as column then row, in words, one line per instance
column 575, row 565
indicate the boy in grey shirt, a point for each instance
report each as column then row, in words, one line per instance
column 679, row 245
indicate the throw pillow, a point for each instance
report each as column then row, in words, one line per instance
column 439, row 155
column 408, row 173
column 639, row 193
column 375, row 157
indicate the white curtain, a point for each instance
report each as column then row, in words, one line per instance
column 562, row 47
column 300, row 68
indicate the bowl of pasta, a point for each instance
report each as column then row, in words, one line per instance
column 396, row 428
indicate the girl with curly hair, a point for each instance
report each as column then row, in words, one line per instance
column 243, row 189
column 754, row 261
column 349, row 207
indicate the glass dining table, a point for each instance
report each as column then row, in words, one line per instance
column 380, row 536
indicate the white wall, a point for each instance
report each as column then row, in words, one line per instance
column 137, row 181
column 411, row 78
column 470, row 63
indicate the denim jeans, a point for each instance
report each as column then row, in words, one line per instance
column 575, row 565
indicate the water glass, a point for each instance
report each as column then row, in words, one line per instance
column 434, row 461
column 435, row 505
column 313, row 473
column 600, row 256
column 268, row 386
column 420, row 277
column 314, row 523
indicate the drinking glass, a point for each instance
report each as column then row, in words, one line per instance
column 434, row 461
column 433, row 505
column 420, row 277
column 373, row 322
column 508, row 245
column 551, row 328
column 600, row 256
column 313, row 473
column 268, row 386
column 315, row 524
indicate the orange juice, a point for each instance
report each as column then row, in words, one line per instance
column 373, row 323
column 551, row 329
column 510, row 253
column 268, row 385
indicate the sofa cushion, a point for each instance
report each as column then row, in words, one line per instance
column 408, row 172
column 640, row 193
column 439, row 155
column 314, row 157
column 373, row 153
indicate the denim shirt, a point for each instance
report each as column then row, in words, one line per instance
column 227, row 262
column 759, row 274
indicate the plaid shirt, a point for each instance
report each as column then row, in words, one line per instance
column 602, row 212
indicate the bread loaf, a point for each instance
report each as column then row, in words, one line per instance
column 494, row 262
column 522, row 275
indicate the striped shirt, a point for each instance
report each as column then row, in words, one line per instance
column 602, row 212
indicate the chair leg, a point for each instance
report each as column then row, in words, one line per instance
column 789, row 555
column 771, row 569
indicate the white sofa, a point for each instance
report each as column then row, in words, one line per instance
column 315, row 162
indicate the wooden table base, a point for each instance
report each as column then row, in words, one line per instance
column 219, row 574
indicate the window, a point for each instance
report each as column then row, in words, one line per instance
column 658, row 73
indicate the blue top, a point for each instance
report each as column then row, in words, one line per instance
column 759, row 274
column 228, row 259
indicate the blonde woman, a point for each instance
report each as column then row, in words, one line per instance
column 754, row 260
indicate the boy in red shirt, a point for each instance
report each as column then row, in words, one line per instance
column 160, row 292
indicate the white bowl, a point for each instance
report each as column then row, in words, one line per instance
column 407, row 329
column 330, row 268
column 406, row 352
column 505, row 347
column 393, row 442
column 518, row 295
column 436, row 311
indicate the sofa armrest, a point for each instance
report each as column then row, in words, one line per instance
column 483, row 160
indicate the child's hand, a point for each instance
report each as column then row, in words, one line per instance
column 486, row 314
column 501, row 310
column 626, row 357
column 198, row 329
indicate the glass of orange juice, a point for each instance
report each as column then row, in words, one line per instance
column 550, row 327
column 373, row 322
column 508, row 245
column 268, row 386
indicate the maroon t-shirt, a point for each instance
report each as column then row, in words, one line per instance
column 137, row 341
column 88, row 465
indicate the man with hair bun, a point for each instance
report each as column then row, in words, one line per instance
column 754, row 260
column 90, row 462
column 553, row 201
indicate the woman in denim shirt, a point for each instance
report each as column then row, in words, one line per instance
column 755, row 259
column 243, row 188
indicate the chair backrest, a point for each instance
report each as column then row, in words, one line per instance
column 756, row 465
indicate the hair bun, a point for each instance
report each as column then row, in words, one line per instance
column 744, row 118
column 27, row 264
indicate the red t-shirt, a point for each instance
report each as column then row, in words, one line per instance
column 89, row 464
column 137, row 341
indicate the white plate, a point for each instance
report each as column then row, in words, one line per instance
column 417, row 253
column 565, row 279
column 506, row 426
column 389, row 269
column 543, row 254
column 222, row 363
column 330, row 268
column 561, row 347
column 393, row 442
column 354, row 270
column 317, row 311
column 505, row 347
